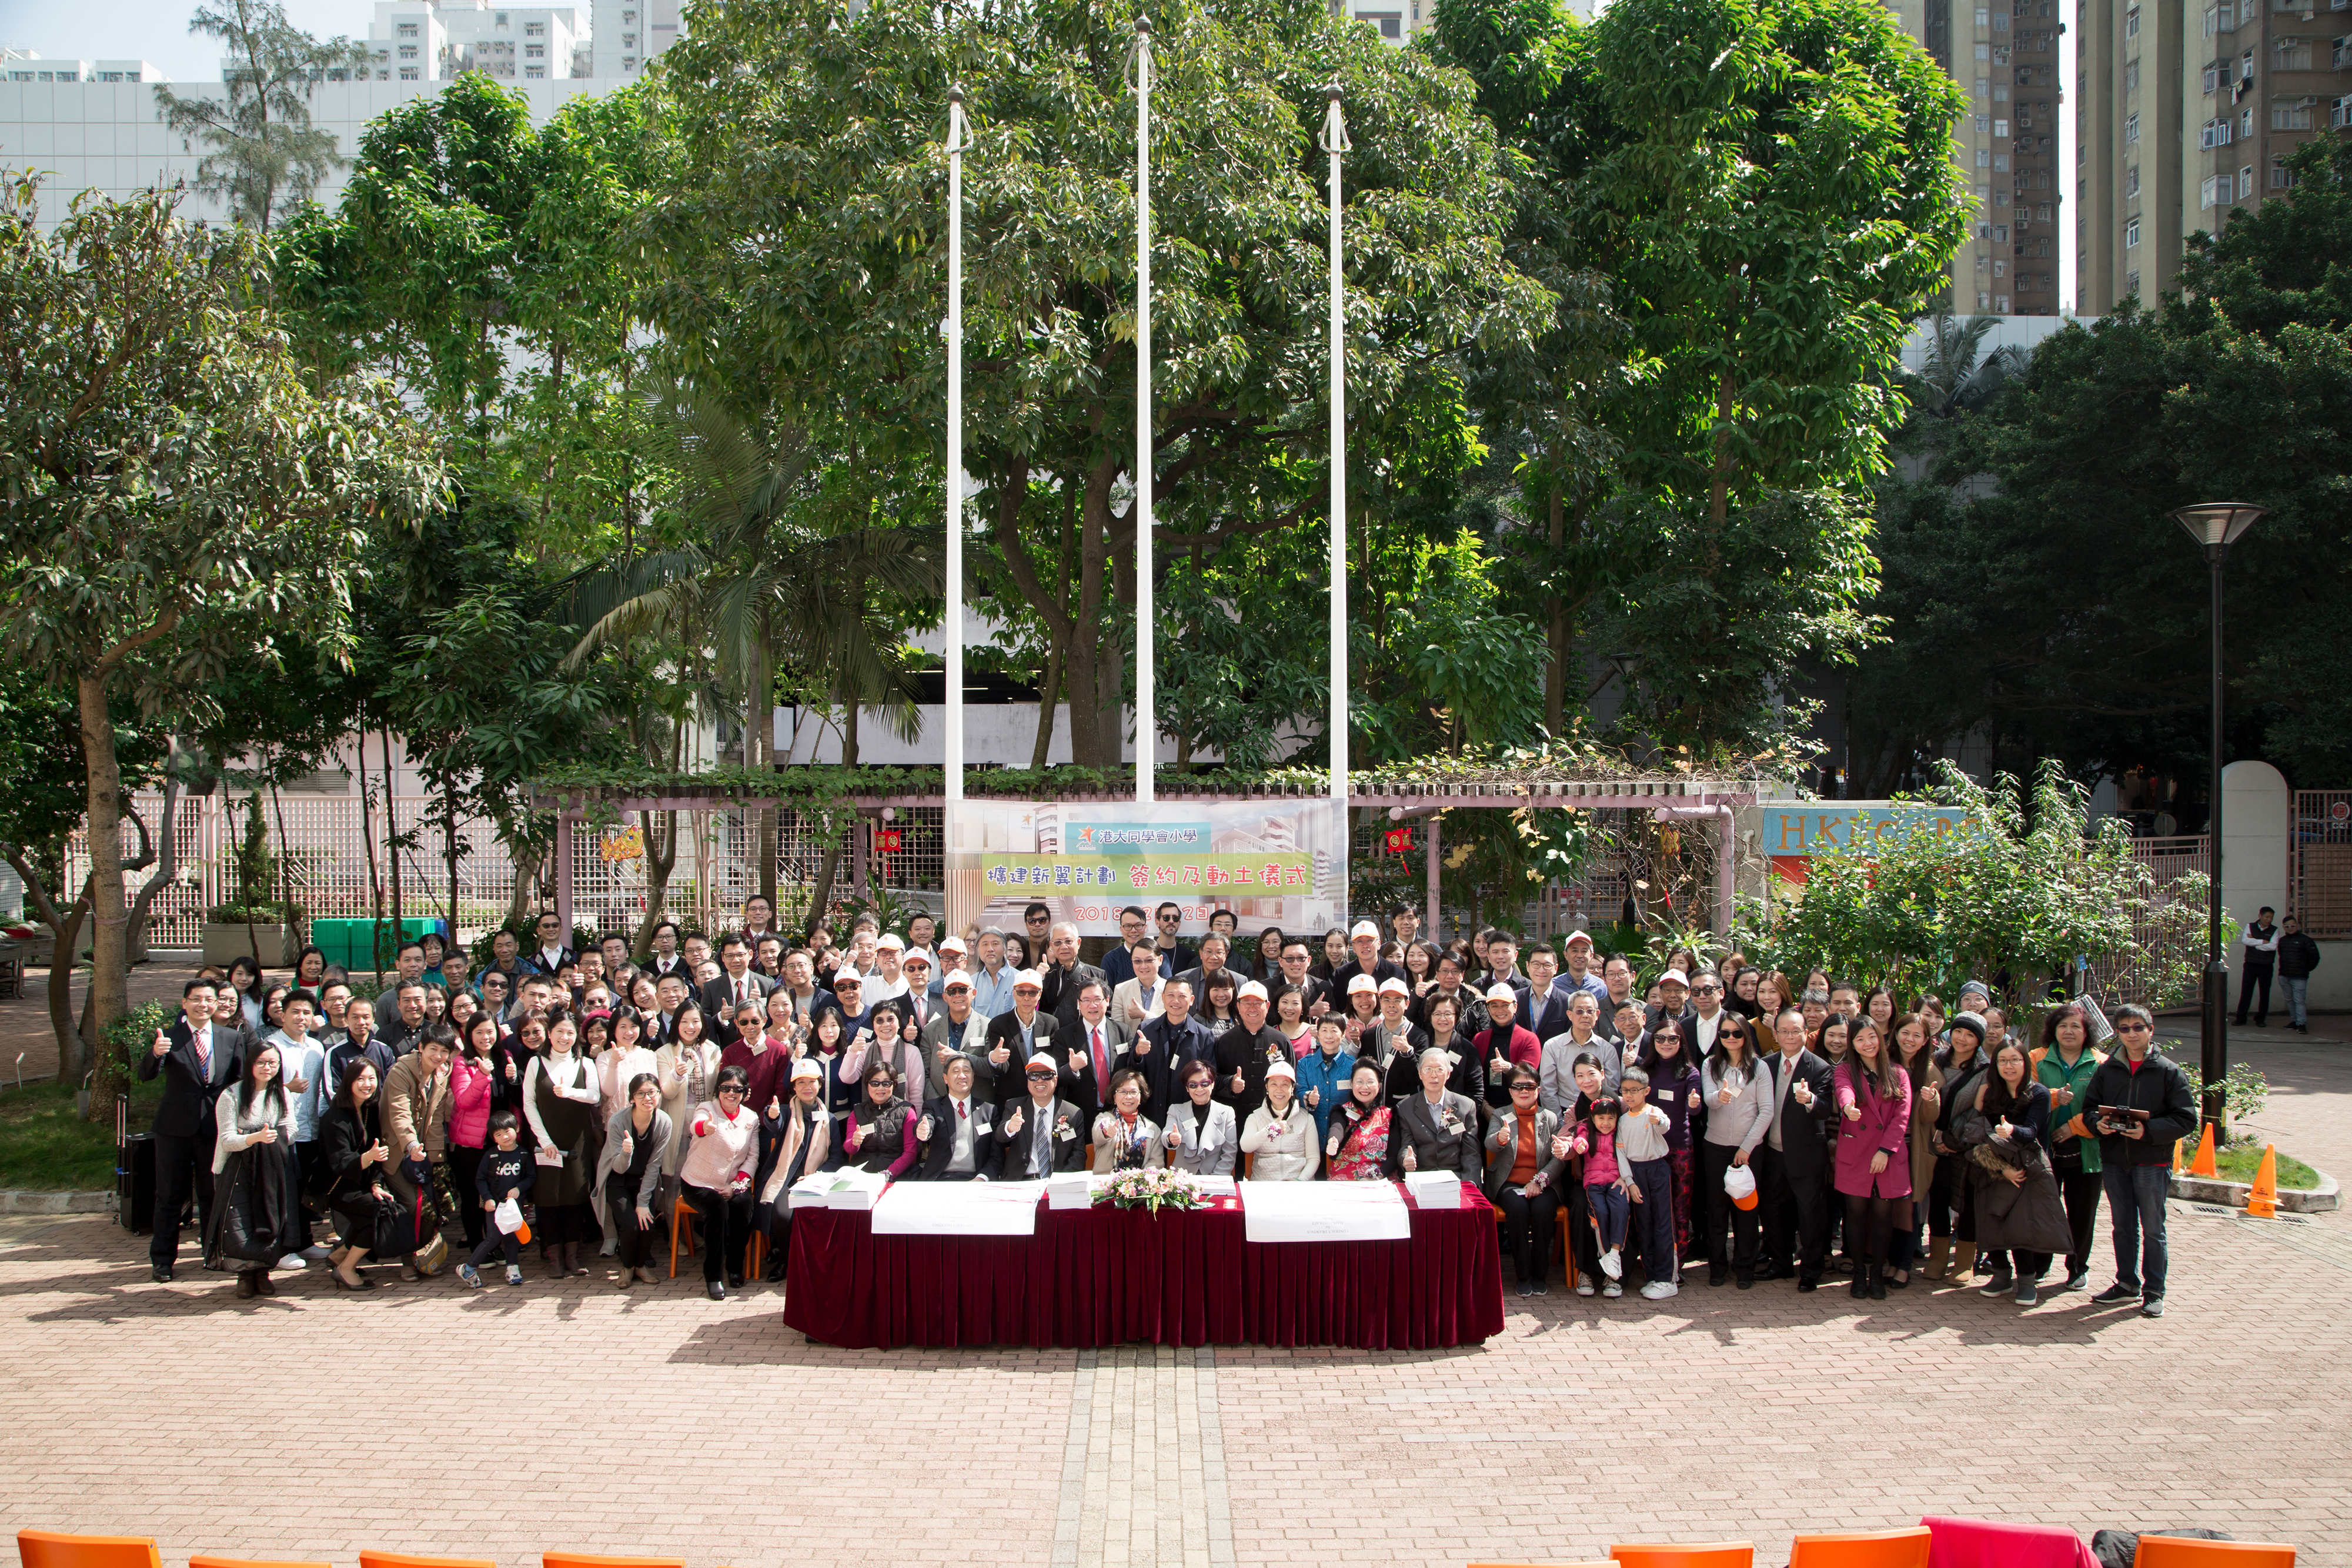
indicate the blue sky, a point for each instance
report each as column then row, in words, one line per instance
column 153, row 30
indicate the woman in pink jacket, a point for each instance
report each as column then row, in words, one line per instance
column 1874, row 1162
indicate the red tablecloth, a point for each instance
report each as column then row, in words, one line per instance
column 1102, row 1276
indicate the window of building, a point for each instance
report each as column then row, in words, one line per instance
column 2000, row 161
column 408, row 51
column 2209, row 194
column 2000, row 92
column 2245, row 123
column 2291, row 54
column 2131, row 233
column 407, row 29
column 629, row 40
column 2001, row 304
column 534, row 51
column 2001, row 23
column 2131, row 22
column 1984, row 51
column 534, row 29
column 2210, row 79
column 2131, row 76
column 408, row 73
column 2291, row 114
column 627, row 17
column 2339, row 114
column 628, row 65
column 1984, row 157
column 1980, row 261
column 534, row 70
column 2281, row 177
column 1984, row 18
column 1984, row 300
column 497, row 18
column 2216, row 133
column 1984, row 89
column 2131, row 127
column 2131, row 283
column 2000, row 233
column 2245, row 181
column 2131, row 180
column 2000, row 269
column 2001, row 128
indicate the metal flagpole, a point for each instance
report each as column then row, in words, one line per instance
column 1335, row 143
column 1147, row 727
column 958, row 138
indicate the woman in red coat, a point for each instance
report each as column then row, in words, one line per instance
column 1874, row 1162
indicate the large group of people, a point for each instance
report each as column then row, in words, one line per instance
column 1723, row 1118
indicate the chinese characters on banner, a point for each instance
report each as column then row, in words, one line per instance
column 1272, row 863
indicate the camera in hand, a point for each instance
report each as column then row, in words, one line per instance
column 2120, row 1116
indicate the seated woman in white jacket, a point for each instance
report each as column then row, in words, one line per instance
column 1280, row 1133
column 1125, row 1139
column 1202, row 1137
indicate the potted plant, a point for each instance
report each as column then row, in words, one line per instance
column 267, row 930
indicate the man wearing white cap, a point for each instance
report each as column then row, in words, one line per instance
column 917, row 968
column 849, row 1001
column 887, row 983
column 1024, row 1031
column 1364, row 941
column 954, row 954
column 959, row 1030
column 1582, row 972
column 1394, row 1031
column 1245, row 1050
column 1039, row 1133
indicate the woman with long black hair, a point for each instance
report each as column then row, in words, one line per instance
column 560, row 1096
column 1951, row 1201
column 1738, row 1096
column 244, row 980
column 1873, row 1165
column 2064, row 1066
column 2020, row 1222
column 256, row 1212
column 352, row 1185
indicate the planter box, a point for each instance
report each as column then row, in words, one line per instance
column 225, row 943
column 2323, row 1199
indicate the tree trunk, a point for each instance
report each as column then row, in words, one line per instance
column 110, row 956
column 661, row 858
column 367, row 843
column 301, row 928
column 391, row 842
column 526, row 859
column 760, row 750
column 161, row 851
column 65, row 930
column 1048, row 699
column 448, row 848
column 1556, row 633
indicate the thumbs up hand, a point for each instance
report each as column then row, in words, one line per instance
column 163, row 1046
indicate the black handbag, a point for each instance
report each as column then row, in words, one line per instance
column 396, row 1231
column 249, row 1223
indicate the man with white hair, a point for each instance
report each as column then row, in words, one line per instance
column 1064, row 974
column 1364, row 941
column 991, row 982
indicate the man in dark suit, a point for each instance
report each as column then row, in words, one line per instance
column 1065, row 974
column 1673, row 1002
column 1543, row 1010
column 198, row 1059
column 1364, row 940
column 1095, row 1040
column 1039, row 1133
column 1023, row 1032
column 1215, row 959
column 1175, row 956
column 952, row 1139
column 552, row 954
column 738, row 980
column 1437, row 1126
column 1794, row 1158
column 1245, row 1050
column 665, row 958
column 1118, row 963
column 1314, row 991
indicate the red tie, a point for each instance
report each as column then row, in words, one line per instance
column 1102, row 1069
column 962, row 1110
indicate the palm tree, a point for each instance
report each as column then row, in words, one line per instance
column 770, row 576
column 1951, row 379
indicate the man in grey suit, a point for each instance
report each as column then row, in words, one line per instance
column 1436, row 1129
column 958, row 1029
column 1794, row 1163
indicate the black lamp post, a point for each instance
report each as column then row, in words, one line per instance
column 2216, row 525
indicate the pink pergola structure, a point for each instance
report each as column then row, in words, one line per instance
column 1669, row 797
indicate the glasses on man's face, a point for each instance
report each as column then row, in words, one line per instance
column 1706, row 990
column 1170, row 920
column 1041, row 1077
column 2132, row 1026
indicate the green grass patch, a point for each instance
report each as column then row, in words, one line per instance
column 44, row 1145
column 2239, row 1164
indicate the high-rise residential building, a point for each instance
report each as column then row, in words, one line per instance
column 2004, row 57
column 91, row 124
column 2186, row 116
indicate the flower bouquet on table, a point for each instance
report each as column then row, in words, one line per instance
column 1151, row 1190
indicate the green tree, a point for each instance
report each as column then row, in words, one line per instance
column 1768, row 187
column 265, row 154
column 799, row 242
column 171, row 479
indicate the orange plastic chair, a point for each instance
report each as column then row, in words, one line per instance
column 680, row 1212
column 1538, row 1565
column 1567, row 1250
column 409, row 1560
column 2180, row 1552
column 55, row 1549
column 1863, row 1549
column 206, row 1560
column 584, row 1559
column 1709, row 1554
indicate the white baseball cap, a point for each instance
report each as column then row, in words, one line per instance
column 1250, row 989
column 955, row 980
column 953, row 945
column 1283, row 1069
column 806, row 1067
column 1499, row 992
column 917, row 956
column 1362, row 983
column 1364, row 928
column 1390, row 987
column 846, row 975
column 1040, row 1058
column 890, row 939
column 1574, row 937
column 1027, row 977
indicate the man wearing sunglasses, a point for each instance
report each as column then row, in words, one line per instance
column 2140, row 1104
column 1173, row 953
column 1705, row 1017
column 1038, row 1134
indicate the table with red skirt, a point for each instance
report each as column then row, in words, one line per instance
column 1104, row 1276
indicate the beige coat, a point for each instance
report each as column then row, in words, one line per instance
column 415, row 1108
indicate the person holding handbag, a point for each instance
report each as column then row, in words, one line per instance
column 255, row 1208
column 417, row 1126
column 797, row 1135
column 2020, row 1222
column 351, row 1142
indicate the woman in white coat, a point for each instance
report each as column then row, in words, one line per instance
column 1203, row 1137
column 1124, row 1138
column 1280, row 1133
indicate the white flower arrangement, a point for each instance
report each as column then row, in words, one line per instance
column 1152, row 1190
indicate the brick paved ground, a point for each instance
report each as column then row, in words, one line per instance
column 562, row 1414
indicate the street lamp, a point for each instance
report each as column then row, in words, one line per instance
column 2216, row 525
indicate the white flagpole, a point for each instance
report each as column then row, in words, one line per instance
column 959, row 137
column 1335, row 143
column 1147, row 727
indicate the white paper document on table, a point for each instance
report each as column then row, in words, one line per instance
column 957, row 1208
column 1324, row 1211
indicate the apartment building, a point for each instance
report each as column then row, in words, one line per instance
column 2186, row 116
column 27, row 65
column 435, row 40
column 629, row 33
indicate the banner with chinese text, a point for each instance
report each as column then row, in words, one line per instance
column 1272, row 862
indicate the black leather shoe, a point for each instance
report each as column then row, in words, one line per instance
column 734, row 1281
column 1807, row 1282
column 160, row 1273
column 716, row 1290
column 1716, row 1275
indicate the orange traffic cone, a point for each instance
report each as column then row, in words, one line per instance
column 2202, row 1165
column 2261, row 1203
column 2180, row 1157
